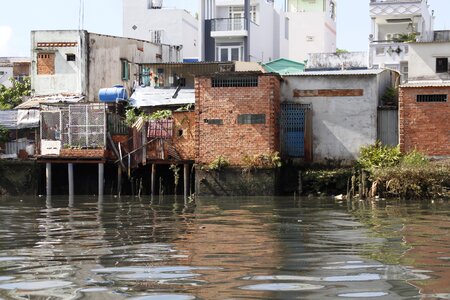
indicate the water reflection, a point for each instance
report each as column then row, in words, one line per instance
column 230, row 248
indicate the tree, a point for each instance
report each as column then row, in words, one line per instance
column 11, row 97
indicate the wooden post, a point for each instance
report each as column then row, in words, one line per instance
column 152, row 180
column 300, row 183
column 71, row 186
column 101, row 172
column 186, row 180
column 48, row 176
column 119, row 180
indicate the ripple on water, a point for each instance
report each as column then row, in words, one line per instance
column 6, row 278
column 364, row 295
column 282, row 287
column 348, row 278
column 35, row 285
column 165, row 297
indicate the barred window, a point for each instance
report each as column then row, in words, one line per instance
column 432, row 98
column 241, row 81
column 252, row 119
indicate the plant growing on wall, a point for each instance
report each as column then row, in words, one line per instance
column 219, row 163
column 11, row 97
column 390, row 96
column 378, row 156
column 269, row 161
column 160, row 115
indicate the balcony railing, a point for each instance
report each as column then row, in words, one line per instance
column 389, row 48
column 229, row 24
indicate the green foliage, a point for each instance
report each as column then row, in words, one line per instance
column 219, row 163
column 323, row 181
column 4, row 134
column 390, row 96
column 160, row 115
column 187, row 107
column 378, row 156
column 11, row 97
column 424, row 181
column 414, row 158
column 270, row 161
column 341, row 51
column 406, row 37
column 131, row 116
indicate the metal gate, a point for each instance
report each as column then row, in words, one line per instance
column 292, row 122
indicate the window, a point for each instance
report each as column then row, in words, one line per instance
column 244, row 81
column 229, row 52
column 125, row 69
column 70, row 57
column 156, row 36
column 251, row 119
column 432, row 98
column 46, row 63
column 442, row 65
column 213, row 121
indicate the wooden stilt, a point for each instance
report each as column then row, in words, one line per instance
column 186, row 180
column 152, row 180
column 48, row 176
column 101, row 172
column 71, row 186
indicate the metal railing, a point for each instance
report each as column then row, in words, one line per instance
column 393, row 1
column 229, row 24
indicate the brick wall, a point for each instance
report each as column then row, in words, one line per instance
column 46, row 63
column 21, row 69
column 230, row 139
column 183, row 137
column 424, row 126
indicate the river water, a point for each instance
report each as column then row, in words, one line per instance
column 223, row 248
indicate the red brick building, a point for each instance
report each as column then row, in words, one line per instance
column 236, row 115
column 424, row 117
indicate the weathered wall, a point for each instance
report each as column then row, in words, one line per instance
column 341, row 123
column 230, row 139
column 337, row 60
column 19, row 177
column 422, row 60
column 184, row 135
column 234, row 182
column 424, row 126
column 69, row 76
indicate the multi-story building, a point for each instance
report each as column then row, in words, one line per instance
column 13, row 67
column 148, row 20
column 253, row 30
column 394, row 24
column 79, row 63
column 310, row 27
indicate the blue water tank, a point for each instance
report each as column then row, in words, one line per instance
column 114, row 94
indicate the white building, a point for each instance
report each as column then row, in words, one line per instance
column 79, row 63
column 13, row 67
column 311, row 27
column 150, row 21
column 394, row 23
column 253, row 30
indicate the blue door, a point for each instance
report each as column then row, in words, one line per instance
column 292, row 124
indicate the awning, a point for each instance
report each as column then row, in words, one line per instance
column 19, row 119
column 149, row 96
column 36, row 102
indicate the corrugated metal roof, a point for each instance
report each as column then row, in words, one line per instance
column 149, row 96
column 36, row 102
column 8, row 119
column 428, row 83
column 340, row 73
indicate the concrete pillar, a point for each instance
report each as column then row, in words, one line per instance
column 152, row 180
column 71, row 186
column 186, row 180
column 247, row 24
column 101, row 175
column 48, row 177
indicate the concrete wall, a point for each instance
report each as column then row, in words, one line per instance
column 69, row 76
column 105, row 55
column 341, row 124
column 230, row 139
column 19, row 177
column 424, row 126
column 337, row 60
column 262, row 34
column 234, row 182
column 310, row 32
column 179, row 26
column 422, row 63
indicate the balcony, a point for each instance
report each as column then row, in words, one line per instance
column 229, row 27
column 393, row 1
column 388, row 53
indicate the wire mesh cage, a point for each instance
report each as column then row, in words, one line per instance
column 82, row 126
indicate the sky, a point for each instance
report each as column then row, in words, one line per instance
column 105, row 16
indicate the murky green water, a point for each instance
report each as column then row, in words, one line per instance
column 229, row 248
